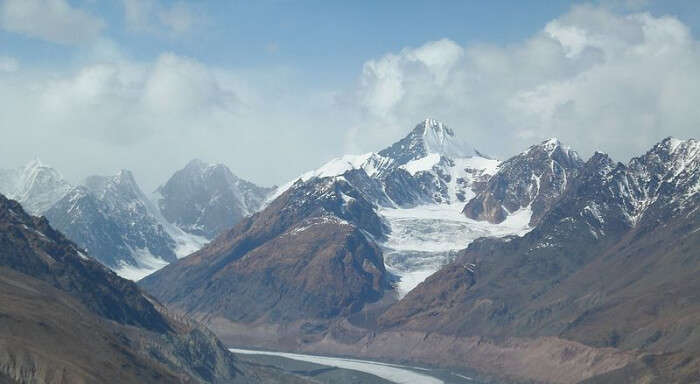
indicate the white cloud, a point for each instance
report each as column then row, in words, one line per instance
column 154, row 116
column 596, row 79
column 51, row 20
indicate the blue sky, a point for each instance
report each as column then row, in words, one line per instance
column 294, row 83
column 325, row 40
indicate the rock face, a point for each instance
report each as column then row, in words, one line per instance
column 613, row 264
column 533, row 180
column 36, row 186
column 307, row 257
column 68, row 319
column 114, row 221
column 206, row 199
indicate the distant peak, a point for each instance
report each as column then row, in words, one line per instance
column 548, row 145
column 440, row 139
column 432, row 126
column 35, row 162
column 196, row 163
column 126, row 175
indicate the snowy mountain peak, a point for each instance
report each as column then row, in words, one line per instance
column 436, row 127
column 555, row 149
column 441, row 140
column 36, row 186
column 205, row 199
column 121, row 185
column 671, row 145
column 552, row 143
column 428, row 137
column 196, row 164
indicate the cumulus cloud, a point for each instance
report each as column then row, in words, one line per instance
column 596, row 79
column 154, row 116
column 51, row 20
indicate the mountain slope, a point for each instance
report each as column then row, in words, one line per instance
column 68, row 319
column 613, row 265
column 313, row 257
column 115, row 222
column 307, row 257
column 206, row 199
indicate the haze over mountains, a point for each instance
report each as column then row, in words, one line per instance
column 115, row 221
column 544, row 267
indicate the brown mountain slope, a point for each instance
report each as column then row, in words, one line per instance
column 613, row 266
column 294, row 267
column 64, row 318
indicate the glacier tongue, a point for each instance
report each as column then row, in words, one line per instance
column 424, row 238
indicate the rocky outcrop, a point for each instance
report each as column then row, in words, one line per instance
column 533, row 180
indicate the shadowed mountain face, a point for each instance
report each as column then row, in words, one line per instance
column 206, row 199
column 112, row 219
column 306, row 256
column 67, row 319
column 613, row 264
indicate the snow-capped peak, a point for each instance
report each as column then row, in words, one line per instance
column 552, row 142
column 439, row 139
column 36, row 186
column 429, row 137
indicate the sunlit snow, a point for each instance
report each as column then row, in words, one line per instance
column 147, row 265
column 424, row 238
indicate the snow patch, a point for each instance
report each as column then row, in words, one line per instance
column 423, row 164
column 147, row 264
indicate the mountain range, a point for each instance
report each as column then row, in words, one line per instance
column 567, row 276
column 116, row 223
column 545, row 267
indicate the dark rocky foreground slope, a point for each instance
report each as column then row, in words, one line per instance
column 64, row 318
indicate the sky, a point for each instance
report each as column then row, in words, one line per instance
column 273, row 88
